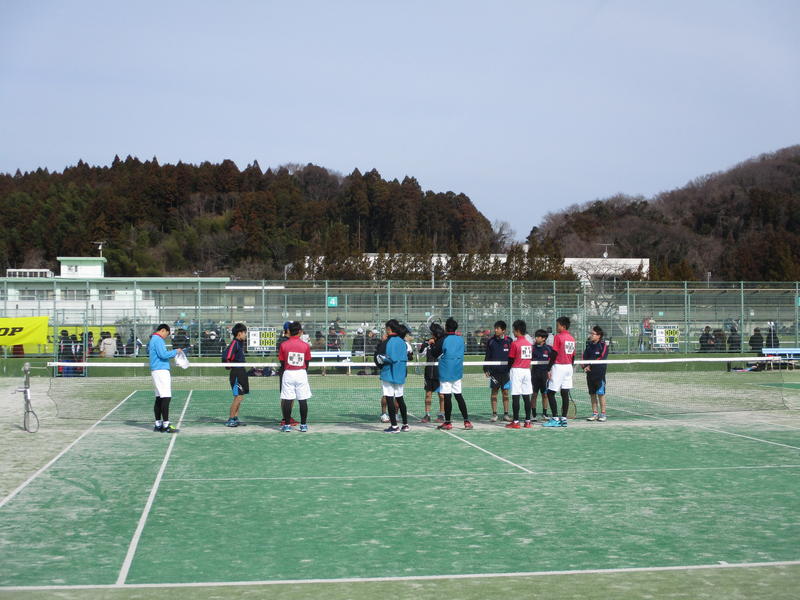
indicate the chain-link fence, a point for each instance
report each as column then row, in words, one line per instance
column 638, row 316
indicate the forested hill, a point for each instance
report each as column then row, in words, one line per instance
column 741, row 224
column 219, row 220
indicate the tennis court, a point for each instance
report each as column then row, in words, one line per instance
column 668, row 502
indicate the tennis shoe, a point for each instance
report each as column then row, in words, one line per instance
column 552, row 423
column 563, row 422
column 602, row 418
column 425, row 419
column 283, row 422
column 594, row 417
column 440, row 418
column 285, row 427
column 445, row 426
column 528, row 424
column 384, row 418
column 169, row 429
column 303, row 427
column 157, row 428
column 231, row 423
column 392, row 429
column 507, row 418
column 512, row 425
column 467, row 425
column 494, row 417
column 405, row 428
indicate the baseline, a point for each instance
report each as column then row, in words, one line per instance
column 30, row 479
column 126, row 564
column 720, row 565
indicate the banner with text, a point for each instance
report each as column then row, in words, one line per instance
column 23, row 330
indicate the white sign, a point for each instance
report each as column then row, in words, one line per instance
column 262, row 338
column 666, row 336
column 623, row 309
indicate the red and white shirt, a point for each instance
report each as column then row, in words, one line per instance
column 522, row 353
column 564, row 344
column 295, row 354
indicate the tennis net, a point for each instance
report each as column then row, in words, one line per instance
column 350, row 392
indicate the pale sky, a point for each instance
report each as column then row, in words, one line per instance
column 527, row 107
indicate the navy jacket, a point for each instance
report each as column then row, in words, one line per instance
column 541, row 353
column 497, row 349
column 596, row 351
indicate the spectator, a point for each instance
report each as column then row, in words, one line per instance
column 719, row 340
column 180, row 341
column 120, row 345
column 707, row 341
column 319, row 341
column 359, row 342
column 756, row 341
column 772, row 336
column 332, row 343
column 65, row 347
column 371, row 342
column 734, row 341
column 107, row 346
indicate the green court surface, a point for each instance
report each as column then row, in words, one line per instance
column 702, row 506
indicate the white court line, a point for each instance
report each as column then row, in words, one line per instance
column 492, row 454
column 482, row 449
column 126, row 564
column 410, row 578
column 690, row 424
column 27, row 482
column 505, row 473
column 773, row 423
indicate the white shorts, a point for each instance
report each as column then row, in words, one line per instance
column 560, row 378
column 521, row 381
column 450, row 387
column 294, row 385
column 162, row 382
column 391, row 390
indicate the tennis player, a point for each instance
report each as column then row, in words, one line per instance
column 237, row 376
column 162, row 379
column 541, row 354
column 283, row 337
column 295, row 355
column 519, row 359
column 596, row 349
column 393, row 361
column 431, row 373
column 497, row 348
column 562, row 359
column 450, row 352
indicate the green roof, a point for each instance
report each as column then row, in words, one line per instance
column 90, row 259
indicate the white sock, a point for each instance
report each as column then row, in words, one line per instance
column 158, row 423
column 166, row 424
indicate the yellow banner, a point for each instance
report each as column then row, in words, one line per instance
column 25, row 330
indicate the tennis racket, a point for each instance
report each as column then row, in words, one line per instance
column 572, row 411
column 434, row 318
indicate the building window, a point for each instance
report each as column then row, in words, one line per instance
column 36, row 294
column 106, row 294
column 74, row 294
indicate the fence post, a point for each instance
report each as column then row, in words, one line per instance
column 686, row 308
column 510, row 300
column 741, row 315
column 450, row 296
column 628, row 313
